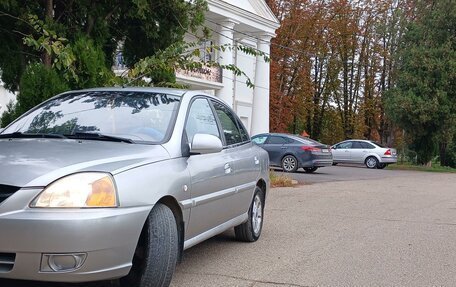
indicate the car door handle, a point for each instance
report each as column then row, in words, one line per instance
column 227, row 168
column 347, row 151
column 284, row 147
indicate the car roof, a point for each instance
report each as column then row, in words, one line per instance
column 170, row 91
column 358, row 140
column 274, row 134
column 292, row 136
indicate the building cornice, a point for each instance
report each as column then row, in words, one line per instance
column 270, row 24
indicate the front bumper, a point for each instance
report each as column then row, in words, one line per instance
column 107, row 236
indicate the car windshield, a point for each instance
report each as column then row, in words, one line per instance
column 141, row 117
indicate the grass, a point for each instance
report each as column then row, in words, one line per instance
column 409, row 166
column 280, row 180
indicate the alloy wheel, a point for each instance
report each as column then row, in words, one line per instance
column 257, row 214
column 289, row 163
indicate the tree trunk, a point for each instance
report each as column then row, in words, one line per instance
column 47, row 60
column 443, row 146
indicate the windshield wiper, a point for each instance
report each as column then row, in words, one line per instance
column 98, row 136
column 17, row 135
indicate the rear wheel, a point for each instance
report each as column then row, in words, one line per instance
column 310, row 169
column 250, row 231
column 289, row 163
column 371, row 162
column 157, row 251
column 381, row 165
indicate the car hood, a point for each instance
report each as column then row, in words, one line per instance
column 38, row 162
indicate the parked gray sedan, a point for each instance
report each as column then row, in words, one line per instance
column 292, row 152
column 370, row 153
column 115, row 183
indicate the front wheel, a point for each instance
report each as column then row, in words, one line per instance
column 156, row 255
column 310, row 169
column 289, row 163
column 250, row 231
column 371, row 162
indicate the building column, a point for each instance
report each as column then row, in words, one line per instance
column 226, row 37
column 260, row 109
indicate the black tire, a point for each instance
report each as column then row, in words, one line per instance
column 381, row 165
column 310, row 169
column 156, row 255
column 371, row 162
column 250, row 231
column 289, row 163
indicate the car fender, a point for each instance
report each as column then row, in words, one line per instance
column 146, row 185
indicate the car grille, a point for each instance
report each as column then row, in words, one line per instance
column 6, row 191
column 7, row 262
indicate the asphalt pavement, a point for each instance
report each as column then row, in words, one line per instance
column 346, row 226
column 342, row 173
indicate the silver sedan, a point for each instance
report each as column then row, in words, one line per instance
column 370, row 153
column 116, row 183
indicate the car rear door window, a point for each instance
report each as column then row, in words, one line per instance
column 276, row 140
column 367, row 145
column 201, row 120
column 357, row 145
column 229, row 124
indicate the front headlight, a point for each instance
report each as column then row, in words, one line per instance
column 80, row 190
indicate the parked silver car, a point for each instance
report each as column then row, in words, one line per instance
column 115, row 183
column 370, row 153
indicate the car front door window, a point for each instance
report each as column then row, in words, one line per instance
column 259, row 140
column 201, row 120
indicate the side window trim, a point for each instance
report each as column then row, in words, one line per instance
column 219, row 124
column 242, row 127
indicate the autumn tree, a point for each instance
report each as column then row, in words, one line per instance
column 331, row 65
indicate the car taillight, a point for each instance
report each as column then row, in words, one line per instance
column 388, row 152
column 310, row 148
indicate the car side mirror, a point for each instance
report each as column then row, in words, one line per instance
column 333, row 147
column 205, row 143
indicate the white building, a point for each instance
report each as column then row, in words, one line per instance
column 249, row 23
column 5, row 97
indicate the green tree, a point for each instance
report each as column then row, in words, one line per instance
column 423, row 102
column 144, row 26
column 38, row 84
column 54, row 45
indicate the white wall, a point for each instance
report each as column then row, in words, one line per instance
column 5, row 97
